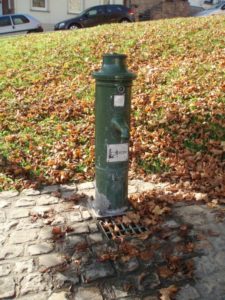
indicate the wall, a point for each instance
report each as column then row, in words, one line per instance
column 160, row 9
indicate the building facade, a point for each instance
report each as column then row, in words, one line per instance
column 49, row 12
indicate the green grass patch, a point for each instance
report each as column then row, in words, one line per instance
column 47, row 98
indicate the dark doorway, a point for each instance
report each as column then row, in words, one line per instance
column 7, row 7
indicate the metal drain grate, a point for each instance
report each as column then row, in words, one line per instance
column 113, row 228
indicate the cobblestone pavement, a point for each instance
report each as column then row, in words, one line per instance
column 39, row 261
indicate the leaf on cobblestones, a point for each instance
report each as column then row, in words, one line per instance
column 81, row 247
column 69, row 229
column 129, row 249
column 126, row 220
column 144, row 235
column 108, row 256
column 168, row 293
column 57, row 230
column 189, row 268
column 75, row 197
column 134, row 217
column 146, row 255
column 165, row 272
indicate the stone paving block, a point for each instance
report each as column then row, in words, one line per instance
column 131, row 298
column 24, row 266
column 30, row 192
column 86, row 186
column 146, row 186
column 204, row 247
column 24, row 224
column 68, row 194
column 51, row 260
column 87, row 293
column 79, row 228
column 97, row 271
column 4, row 203
column 93, row 227
column 212, row 287
column 7, row 287
column 187, row 292
column 64, row 207
column 10, row 224
column 2, row 217
column 220, row 258
column 59, row 296
column 62, row 281
column 58, row 220
column 36, row 296
column 85, row 213
column 73, row 216
column 5, row 269
column 11, row 251
column 46, row 200
column 45, row 233
column 217, row 242
column 18, row 213
column 132, row 189
column 50, row 189
column 95, row 238
column 40, row 248
column 205, row 265
column 75, row 240
column 41, row 210
column 135, row 182
column 119, row 293
column 8, row 194
column 35, row 282
column 23, row 236
column 67, row 187
column 172, row 224
column 2, row 238
column 25, row 202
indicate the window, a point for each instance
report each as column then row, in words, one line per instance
column 18, row 20
column 39, row 5
column 114, row 9
column 95, row 11
column 5, row 21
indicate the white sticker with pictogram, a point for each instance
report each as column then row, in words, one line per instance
column 119, row 100
column 117, row 152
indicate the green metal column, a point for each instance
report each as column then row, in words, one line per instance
column 112, row 124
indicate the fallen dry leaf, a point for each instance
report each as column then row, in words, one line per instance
column 168, row 293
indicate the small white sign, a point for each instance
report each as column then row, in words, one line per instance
column 117, row 152
column 119, row 100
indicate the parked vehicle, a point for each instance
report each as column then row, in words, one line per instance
column 16, row 23
column 216, row 10
column 97, row 15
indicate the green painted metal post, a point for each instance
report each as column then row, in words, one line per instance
column 112, row 124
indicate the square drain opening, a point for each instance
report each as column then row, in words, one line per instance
column 113, row 228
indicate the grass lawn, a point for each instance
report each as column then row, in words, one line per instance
column 178, row 103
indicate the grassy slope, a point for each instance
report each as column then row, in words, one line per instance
column 178, row 120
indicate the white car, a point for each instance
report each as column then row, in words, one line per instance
column 216, row 10
column 19, row 23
